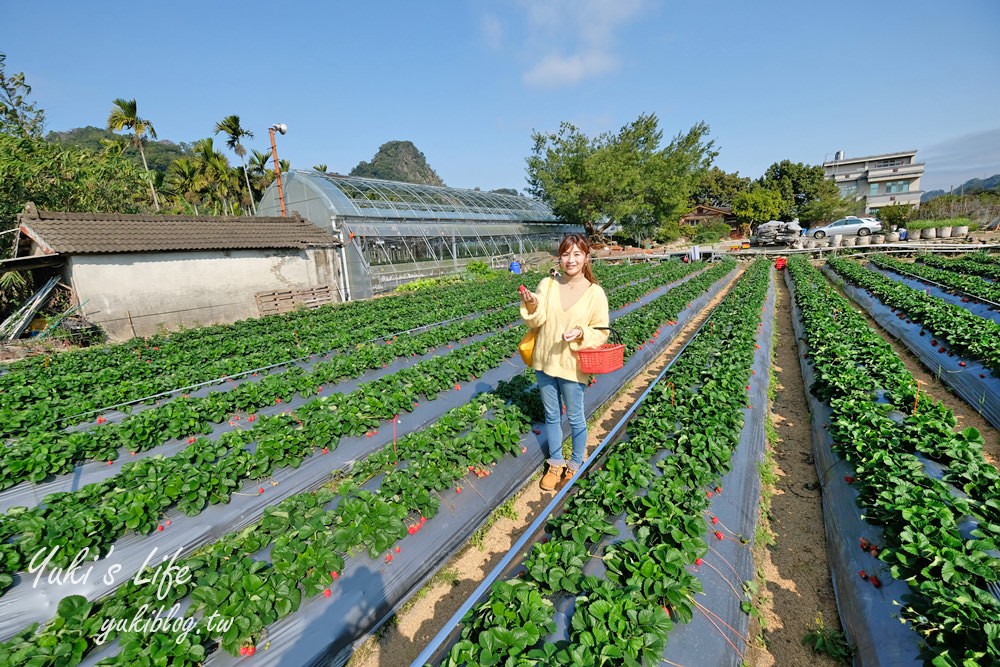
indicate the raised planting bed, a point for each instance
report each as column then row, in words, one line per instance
column 949, row 340
column 643, row 558
column 910, row 506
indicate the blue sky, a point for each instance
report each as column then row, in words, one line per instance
column 468, row 82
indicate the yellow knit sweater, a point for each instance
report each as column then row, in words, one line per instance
column 552, row 355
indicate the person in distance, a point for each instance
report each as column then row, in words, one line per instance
column 565, row 310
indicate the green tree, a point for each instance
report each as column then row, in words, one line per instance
column 718, row 188
column 17, row 115
column 184, row 182
column 125, row 116
column 234, row 133
column 217, row 178
column 897, row 215
column 806, row 193
column 321, row 168
column 625, row 178
column 757, row 205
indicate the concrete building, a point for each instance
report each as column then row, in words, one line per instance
column 877, row 180
column 135, row 275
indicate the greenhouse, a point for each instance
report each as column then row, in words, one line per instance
column 396, row 232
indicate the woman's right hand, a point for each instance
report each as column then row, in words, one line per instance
column 528, row 298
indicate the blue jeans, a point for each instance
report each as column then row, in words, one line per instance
column 554, row 392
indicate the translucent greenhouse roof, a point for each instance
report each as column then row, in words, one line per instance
column 351, row 196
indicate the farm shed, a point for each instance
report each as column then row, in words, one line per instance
column 396, row 232
column 136, row 274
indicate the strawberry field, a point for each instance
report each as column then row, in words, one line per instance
column 400, row 424
column 272, row 491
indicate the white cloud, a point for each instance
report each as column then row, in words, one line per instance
column 571, row 40
column 952, row 162
column 492, row 31
column 556, row 70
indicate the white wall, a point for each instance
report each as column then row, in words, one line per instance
column 139, row 294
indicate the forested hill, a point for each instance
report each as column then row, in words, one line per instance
column 398, row 161
column 159, row 154
column 970, row 187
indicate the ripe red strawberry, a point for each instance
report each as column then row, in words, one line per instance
column 111, row 462
column 708, row 494
column 719, row 535
column 327, row 592
column 698, row 562
column 333, row 573
column 941, row 349
column 388, row 558
column 398, row 549
column 243, row 651
column 251, row 650
column 326, row 450
column 718, row 489
column 848, row 479
column 536, row 431
column 277, row 400
column 458, row 489
column 167, row 522
column 875, row 581
column 865, row 544
column 252, row 418
column 715, row 519
column 863, row 574
column 933, row 342
column 457, row 386
column 101, row 420
column 159, row 529
column 260, row 490
column 412, row 530
column 962, row 364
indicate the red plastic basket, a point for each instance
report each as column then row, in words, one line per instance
column 605, row 358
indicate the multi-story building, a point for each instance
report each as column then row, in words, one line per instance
column 877, row 180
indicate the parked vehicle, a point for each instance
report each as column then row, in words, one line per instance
column 848, row 225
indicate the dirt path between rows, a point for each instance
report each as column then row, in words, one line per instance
column 797, row 586
column 413, row 628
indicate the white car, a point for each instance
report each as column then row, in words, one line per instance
column 849, row 225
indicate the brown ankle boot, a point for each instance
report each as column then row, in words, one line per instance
column 567, row 475
column 552, row 477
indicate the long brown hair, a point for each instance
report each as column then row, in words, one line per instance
column 579, row 241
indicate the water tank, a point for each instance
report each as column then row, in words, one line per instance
column 839, row 155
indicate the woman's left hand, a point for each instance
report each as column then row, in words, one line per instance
column 573, row 334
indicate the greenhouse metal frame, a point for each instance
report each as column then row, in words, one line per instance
column 396, row 232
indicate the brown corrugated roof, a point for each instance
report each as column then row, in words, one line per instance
column 94, row 233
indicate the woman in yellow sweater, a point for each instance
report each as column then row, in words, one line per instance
column 565, row 310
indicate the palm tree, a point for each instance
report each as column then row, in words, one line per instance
column 320, row 168
column 258, row 167
column 231, row 126
column 216, row 175
column 124, row 116
column 185, row 175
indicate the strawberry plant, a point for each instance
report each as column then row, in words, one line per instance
column 947, row 567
